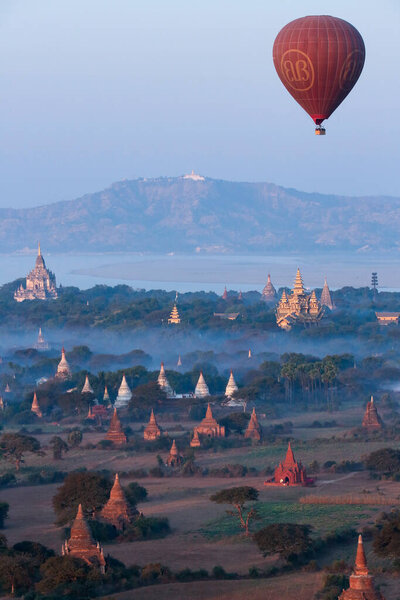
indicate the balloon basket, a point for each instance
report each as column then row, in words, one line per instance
column 320, row 131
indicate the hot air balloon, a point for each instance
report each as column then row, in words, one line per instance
column 319, row 60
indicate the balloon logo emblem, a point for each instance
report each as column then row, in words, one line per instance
column 298, row 70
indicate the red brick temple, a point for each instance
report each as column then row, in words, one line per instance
column 174, row 459
column 209, row 426
column 115, row 433
column 81, row 544
column 195, row 441
column 290, row 472
column 361, row 582
column 372, row 420
column 152, row 431
column 253, row 430
column 117, row 510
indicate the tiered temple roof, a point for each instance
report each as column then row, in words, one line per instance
column 201, row 390
column 209, row 426
column 81, row 544
column 326, row 299
column 63, row 369
column 163, row 382
column 40, row 283
column 290, row 472
column 361, row 582
column 152, row 430
column 195, row 441
column 115, row 433
column 174, row 316
column 35, row 408
column 87, row 388
column 372, row 420
column 231, row 386
column 253, row 430
column 174, row 459
column 124, row 394
column 269, row 292
column 41, row 343
column 298, row 307
column 117, row 510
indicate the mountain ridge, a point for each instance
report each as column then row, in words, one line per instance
column 188, row 214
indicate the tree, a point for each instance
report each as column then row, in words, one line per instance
column 135, row 493
column 386, row 460
column 238, row 497
column 387, row 536
column 147, row 395
column 67, row 576
column 4, row 506
column 13, row 446
column 289, row 540
column 16, row 573
column 90, row 489
column 59, row 446
column 75, row 438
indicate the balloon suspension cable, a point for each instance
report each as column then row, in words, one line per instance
column 319, row 130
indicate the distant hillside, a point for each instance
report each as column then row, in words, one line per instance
column 184, row 214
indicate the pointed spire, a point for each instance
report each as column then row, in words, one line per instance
column 240, row 296
column 231, row 386
column 152, row 430
column 209, row 414
column 195, row 441
column 253, row 430
column 87, row 388
column 249, row 355
column 360, row 567
column 201, row 390
column 269, row 292
column 39, row 251
column 35, row 408
column 298, row 284
column 179, row 363
column 289, row 459
column 115, row 433
column 326, row 299
column 152, row 418
column 124, row 394
column 225, row 294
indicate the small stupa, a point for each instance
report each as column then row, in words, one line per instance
column 81, row 544
column 269, row 292
column 372, row 420
column 249, row 355
column 115, row 433
column 174, row 318
column 326, row 299
column 179, row 363
column 253, row 430
column 41, row 343
column 87, row 388
column 231, row 387
column 7, row 389
column 209, row 426
column 163, row 382
column 124, row 394
column 35, row 408
column 106, row 397
column 225, row 294
column 195, row 441
column 174, row 459
column 240, row 296
column 152, row 431
column 117, row 510
column 201, row 390
column 63, row 369
column 361, row 582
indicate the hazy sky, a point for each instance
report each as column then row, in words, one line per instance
column 94, row 91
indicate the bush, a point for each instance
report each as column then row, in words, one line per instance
column 102, row 532
column 7, row 479
column 146, row 528
column 135, row 493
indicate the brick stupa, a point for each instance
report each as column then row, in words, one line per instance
column 209, row 426
column 152, row 431
column 253, row 430
column 361, row 582
column 115, row 433
column 195, row 441
column 117, row 510
column 81, row 544
column 174, row 459
column 35, row 408
column 290, row 472
column 372, row 420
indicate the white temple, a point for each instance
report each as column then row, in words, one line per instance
column 41, row 343
column 40, row 283
column 63, row 369
column 106, row 397
column 87, row 388
column 124, row 394
column 201, row 390
column 231, row 386
column 164, row 384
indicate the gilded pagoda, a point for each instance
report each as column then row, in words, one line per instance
column 298, row 307
column 40, row 283
column 174, row 317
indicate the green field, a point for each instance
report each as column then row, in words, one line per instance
column 324, row 518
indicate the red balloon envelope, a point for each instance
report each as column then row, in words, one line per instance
column 319, row 59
